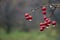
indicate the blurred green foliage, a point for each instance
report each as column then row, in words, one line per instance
column 48, row 34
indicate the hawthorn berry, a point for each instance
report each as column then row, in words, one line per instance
column 54, row 23
column 42, row 28
column 41, row 24
column 44, row 12
column 49, row 21
column 43, row 8
column 44, row 17
column 26, row 14
column 30, row 18
column 46, row 24
column 27, row 18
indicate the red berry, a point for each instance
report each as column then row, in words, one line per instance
column 46, row 24
column 42, row 28
column 27, row 18
column 53, row 22
column 49, row 21
column 44, row 12
column 41, row 24
column 43, row 8
column 45, row 17
column 30, row 17
column 26, row 14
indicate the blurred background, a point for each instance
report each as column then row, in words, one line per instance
column 13, row 25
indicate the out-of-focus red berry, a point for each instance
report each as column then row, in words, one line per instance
column 53, row 22
column 26, row 14
column 44, row 12
column 49, row 21
column 42, row 28
column 44, row 17
column 30, row 17
column 46, row 24
column 43, row 8
column 41, row 24
column 27, row 18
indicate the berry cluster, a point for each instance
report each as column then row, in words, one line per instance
column 47, row 21
column 28, row 17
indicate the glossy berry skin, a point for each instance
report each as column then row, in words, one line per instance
column 53, row 22
column 46, row 24
column 44, row 12
column 41, row 24
column 44, row 17
column 42, row 28
column 43, row 8
column 49, row 21
column 26, row 14
column 27, row 18
column 30, row 17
